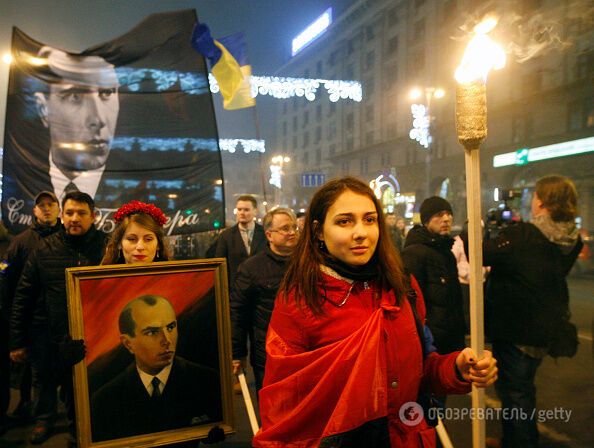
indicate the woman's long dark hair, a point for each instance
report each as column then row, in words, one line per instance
column 303, row 274
column 113, row 254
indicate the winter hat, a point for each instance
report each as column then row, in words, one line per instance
column 432, row 206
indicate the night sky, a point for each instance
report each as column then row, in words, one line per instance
column 269, row 26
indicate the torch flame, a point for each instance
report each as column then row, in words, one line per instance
column 481, row 55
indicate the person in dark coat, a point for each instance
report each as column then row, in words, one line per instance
column 253, row 293
column 159, row 391
column 427, row 255
column 244, row 239
column 46, row 222
column 527, row 297
column 39, row 319
column 396, row 235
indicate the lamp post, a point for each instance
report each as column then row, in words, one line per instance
column 481, row 55
column 276, row 175
column 422, row 120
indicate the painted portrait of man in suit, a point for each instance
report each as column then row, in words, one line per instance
column 80, row 113
column 160, row 390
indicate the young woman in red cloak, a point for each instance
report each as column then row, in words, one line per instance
column 345, row 363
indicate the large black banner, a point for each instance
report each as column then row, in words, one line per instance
column 128, row 119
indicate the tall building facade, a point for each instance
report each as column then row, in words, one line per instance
column 544, row 104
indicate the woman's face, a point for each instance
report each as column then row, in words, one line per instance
column 139, row 245
column 351, row 228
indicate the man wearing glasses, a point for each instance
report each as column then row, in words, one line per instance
column 254, row 290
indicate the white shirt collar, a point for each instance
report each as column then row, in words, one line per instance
column 87, row 181
column 146, row 379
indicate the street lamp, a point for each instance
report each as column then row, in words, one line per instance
column 276, row 174
column 422, row 119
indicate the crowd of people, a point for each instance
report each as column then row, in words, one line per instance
column 349, row 317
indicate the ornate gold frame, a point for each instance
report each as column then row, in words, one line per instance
column 77, row 331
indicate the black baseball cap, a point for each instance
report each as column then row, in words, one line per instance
column 47, row 194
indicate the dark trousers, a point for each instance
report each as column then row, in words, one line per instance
column 517, row 392
column 44, row 377
column 259, row 377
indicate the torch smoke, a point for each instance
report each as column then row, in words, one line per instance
column 471, row 114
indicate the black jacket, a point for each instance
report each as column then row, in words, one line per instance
column 527, row 292
column 429, row 258
column 18, row 251
column 40, row 299
column 230, row 246
column 123, row 407
column 252, row 301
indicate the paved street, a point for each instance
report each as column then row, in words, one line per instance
column 562, row 386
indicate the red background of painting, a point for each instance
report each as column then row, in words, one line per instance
column 103, row 299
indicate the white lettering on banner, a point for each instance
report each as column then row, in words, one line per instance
column 14, row 206
column 105, row 222
column 104, row 219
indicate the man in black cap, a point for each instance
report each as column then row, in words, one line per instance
column 46, row 222
column 428, row 256
column 39, row 318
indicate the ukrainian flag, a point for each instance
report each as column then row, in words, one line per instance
column 229, row 65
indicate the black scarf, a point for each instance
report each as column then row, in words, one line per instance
column 363, row 273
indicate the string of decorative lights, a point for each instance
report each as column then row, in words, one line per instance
column 282, row 88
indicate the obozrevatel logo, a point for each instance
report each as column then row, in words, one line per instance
column 411, row 413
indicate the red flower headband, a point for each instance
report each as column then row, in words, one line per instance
column 134, row 207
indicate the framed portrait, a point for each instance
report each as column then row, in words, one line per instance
column 157, row 368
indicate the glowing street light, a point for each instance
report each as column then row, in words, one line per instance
column 421, row 130
column 7, row 58
column 481, row 56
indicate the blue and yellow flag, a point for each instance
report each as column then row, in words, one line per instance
column 229, row 65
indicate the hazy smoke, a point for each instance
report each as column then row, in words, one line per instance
column 527, row 34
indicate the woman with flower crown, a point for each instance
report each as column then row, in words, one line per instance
column 138, row 237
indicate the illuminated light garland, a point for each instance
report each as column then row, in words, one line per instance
column 420, row 130
column 282, row 88
column 249, row 145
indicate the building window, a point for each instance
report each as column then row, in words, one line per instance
column 369, row 138
column 370, row 60
column 305, row 139
column 420, row 30
column 350, row 46
column 391, row 76
column 295, row 120
column 416, row 63
column 393, row 15
column 369, row 87
column 364, row 165
column 318, row 134
column 585, row 65
column 294, row 103
column 295, row 144
column 350, row 73
column 369, row 33
column 318, row 156
column 319, row 69
column 449, row 9
column 332, row 130
column 393, row 45
column 350, row 144
column 369, row 113
column 319, row 112
column 284, row 128
column 306, row 73
column 332, row 150
column 285, row 107
column 345, row 167
column 306, row 158
column 305, row 118
column 532, row 82
column 580, row 114
column 332, row 109
column 350, row 122
column 332, row 59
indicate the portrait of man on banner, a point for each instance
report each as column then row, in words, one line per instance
column 128, row 119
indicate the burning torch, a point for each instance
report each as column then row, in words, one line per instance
column 481, row 55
